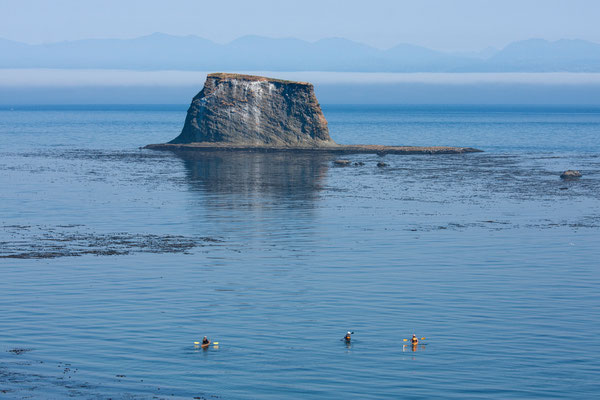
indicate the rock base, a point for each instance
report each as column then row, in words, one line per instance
column 335, row 149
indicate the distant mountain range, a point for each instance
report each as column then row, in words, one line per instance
column 166, row 52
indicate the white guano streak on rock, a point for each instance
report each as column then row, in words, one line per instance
column 254, row 92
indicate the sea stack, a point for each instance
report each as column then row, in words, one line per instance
column 255, row 111
column 235, row 112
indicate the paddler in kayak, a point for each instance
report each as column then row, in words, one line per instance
column 205, row 342
column 348, row 338
column 414, row 340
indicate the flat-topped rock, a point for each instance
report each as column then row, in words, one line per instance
column 254, row 110
column 235, row 112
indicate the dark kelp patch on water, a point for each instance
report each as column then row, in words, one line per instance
column 30, row 242
column 47, row 379
column 96, row 155
column 18, row 351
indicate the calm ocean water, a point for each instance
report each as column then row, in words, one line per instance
column 116, row 259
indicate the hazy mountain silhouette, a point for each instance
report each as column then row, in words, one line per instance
column 542, row 55
column 161, row 52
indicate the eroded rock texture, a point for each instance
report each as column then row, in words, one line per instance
column 255, row 111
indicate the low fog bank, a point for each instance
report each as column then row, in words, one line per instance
column 56, row 86
column 485, row 93
column 394, row 93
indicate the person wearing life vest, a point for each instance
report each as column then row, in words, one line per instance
column 414, row 339
column 205, row 340
column 347, row 338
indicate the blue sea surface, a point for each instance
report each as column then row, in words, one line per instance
column 115, row 259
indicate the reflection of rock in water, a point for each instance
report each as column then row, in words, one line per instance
column 293, row 176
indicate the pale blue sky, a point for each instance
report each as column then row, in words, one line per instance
column 438, row 24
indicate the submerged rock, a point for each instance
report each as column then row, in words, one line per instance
column 570, row 174
column 381, row 164
column 342, row 163
column 254, row 110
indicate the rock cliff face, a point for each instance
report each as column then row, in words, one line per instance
column 255, row 111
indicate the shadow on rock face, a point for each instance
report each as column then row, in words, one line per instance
column 256, row 174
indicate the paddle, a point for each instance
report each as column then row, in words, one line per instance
column 406, row 340
column 208, row 343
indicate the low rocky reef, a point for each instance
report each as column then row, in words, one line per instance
column 571, row 174
column 336, row 149
column 236, row 112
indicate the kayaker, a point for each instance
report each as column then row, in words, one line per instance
column 205, row 341
column 347, row 338
column 414, row 339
